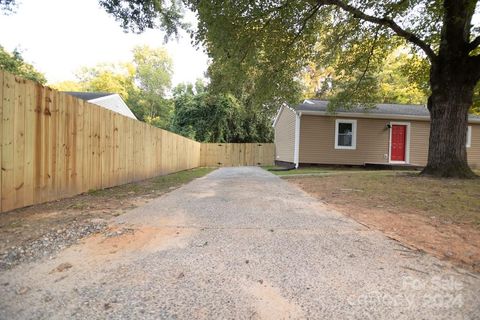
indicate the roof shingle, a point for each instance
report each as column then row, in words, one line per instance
column 381, row 108
column 87, row 96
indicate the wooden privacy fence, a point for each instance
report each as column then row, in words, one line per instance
column 54, row 145
column 237, row 154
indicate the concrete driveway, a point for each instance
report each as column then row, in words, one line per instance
column 239, row 243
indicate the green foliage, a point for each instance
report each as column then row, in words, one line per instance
column 143, row 83
column 476, row 100
column 153, row 72
column 213, row 117
column 68, row 85
column 207, row 118
column 138, row 15
column 400, row 78
column 108, row 77
column 14, row 63
column 396, row 84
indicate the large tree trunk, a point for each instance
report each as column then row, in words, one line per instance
column 453, row 76
column 449, row 104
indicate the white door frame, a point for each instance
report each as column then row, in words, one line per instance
column 407, row 142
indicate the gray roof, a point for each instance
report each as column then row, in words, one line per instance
column 87, row 96
column 381, row 108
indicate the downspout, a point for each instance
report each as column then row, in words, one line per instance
column 297, row 139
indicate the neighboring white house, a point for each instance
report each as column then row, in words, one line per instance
column 110, row 101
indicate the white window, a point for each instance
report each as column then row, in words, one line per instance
column 469, row 136
column 345, row 134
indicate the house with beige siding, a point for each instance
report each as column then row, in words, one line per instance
column 385, row 134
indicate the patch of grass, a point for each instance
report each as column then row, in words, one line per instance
column 311, row 170
column 153, row 186
column 449, row 200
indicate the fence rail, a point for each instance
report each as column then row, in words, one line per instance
column 54, row 146
column 237, row 154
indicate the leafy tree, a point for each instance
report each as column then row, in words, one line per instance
column 108, row 77
column 395, row 81
column 14, row 63
column 153, row 72
column 277, row 38
column 394, row 86
column 143, row 83
column 138, row 15
column 206, row 117
column 69, row 85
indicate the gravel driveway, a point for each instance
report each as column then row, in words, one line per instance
column 239, row 243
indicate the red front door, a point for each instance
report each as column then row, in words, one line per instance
column 399, row 136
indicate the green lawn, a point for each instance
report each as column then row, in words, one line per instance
column 157, row 185
column 451, row 200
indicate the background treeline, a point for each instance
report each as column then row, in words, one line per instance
column 216, row 110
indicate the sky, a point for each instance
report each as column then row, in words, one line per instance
column 60, row 36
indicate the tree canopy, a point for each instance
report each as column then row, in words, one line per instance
column 143, row 83
column 205, row 116
column 14, row 63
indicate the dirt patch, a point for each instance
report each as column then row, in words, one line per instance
column 270, row 304
column 132, row 239
column 119, row 243
column 419, row 212
column 42, row 230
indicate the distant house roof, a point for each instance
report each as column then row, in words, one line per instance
column 88, row 95
column 110, row 101
column 407, row 110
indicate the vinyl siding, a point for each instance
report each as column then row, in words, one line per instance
column 317, row 142
column 419, row 134
column 285, row 135
column 473, row 153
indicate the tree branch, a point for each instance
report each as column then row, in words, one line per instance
column 386, row 22
column 310, row 16
column 474, row 44
column 370, row 54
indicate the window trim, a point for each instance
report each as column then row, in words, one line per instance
column 469, row 137
column 353, row 122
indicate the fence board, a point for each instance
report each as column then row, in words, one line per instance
column 237, row 154
column 1, row 135
column 19, row 138
column 8, row 182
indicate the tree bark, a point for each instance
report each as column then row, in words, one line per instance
column 453, row 76
column 449, row 104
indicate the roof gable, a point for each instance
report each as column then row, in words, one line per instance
column 280, row 111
